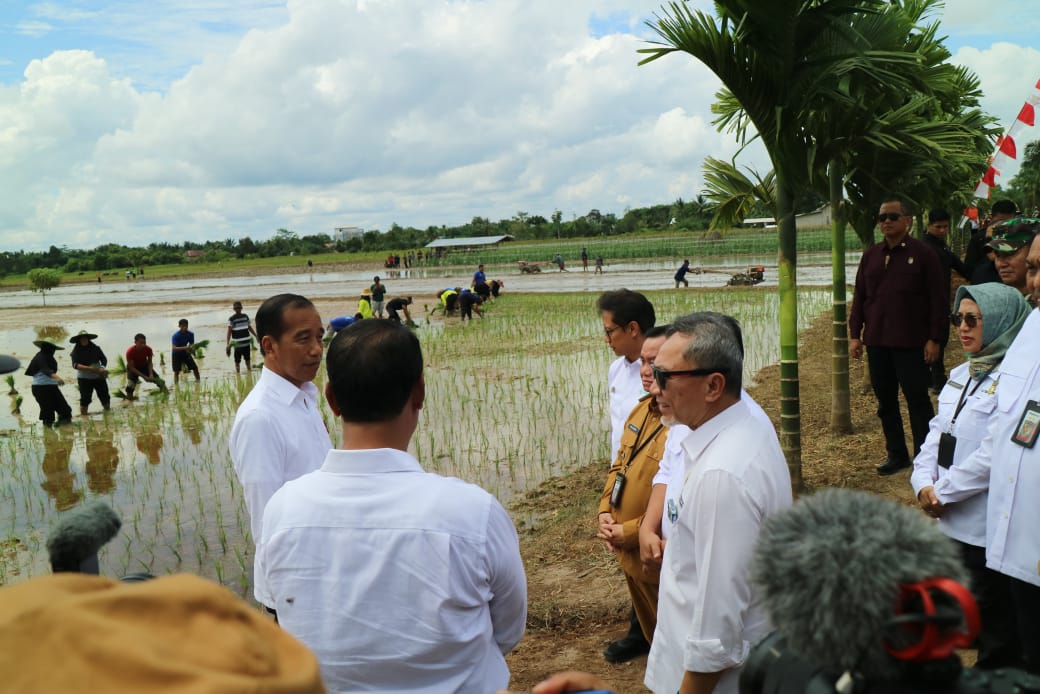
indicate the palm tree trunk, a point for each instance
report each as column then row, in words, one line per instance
column 841, row 416
column 790, row 414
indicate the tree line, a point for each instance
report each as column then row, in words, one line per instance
column 679, row 215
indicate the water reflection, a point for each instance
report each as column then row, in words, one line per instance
column 102, row 460
column 59, row 479
column 150, row 443
column 51, row 333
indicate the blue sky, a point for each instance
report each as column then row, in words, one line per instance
column 130, row 122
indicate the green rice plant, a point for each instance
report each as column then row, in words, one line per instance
column 10, row 385
column 120, row 368
column 199, row 348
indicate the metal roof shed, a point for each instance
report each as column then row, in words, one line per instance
column 469, row 242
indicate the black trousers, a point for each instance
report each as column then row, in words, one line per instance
column 938, row 367
column 998, row 642
column 892, row 369
column 51, row 402
column 89, row 386
column 1026, row 600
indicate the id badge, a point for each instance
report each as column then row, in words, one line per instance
column 619, row 487
column 947, row 444
column 1028, row 427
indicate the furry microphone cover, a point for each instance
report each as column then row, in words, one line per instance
column 830, row 569
column 80, row 533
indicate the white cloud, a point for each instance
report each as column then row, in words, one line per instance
column 35, row 29
column 325, row 113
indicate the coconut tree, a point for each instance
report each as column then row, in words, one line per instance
column 779, row 62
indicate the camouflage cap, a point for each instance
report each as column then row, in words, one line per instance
column 1013, row 234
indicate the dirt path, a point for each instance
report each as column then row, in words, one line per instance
column 578, row 600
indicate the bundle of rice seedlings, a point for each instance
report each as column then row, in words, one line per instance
column 16, row 405
column 199, row 348
column 10, row 384
column 120, row 368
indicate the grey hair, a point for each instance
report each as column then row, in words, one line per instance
column 713, row 345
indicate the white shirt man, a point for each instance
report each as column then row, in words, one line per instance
column 709, row 615
column 278, row 433
column 672, row 471
column 626, row 316
column 398, row 580
column 626, row 387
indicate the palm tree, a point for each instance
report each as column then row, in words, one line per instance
column 779, row 61
column 736, row 193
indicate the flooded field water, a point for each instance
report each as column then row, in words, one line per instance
column 511, row 399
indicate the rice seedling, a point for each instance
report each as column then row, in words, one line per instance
column 11, row 390
column 511, row 400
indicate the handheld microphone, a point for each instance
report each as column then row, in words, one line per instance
column 832, row 571
column 75, row 539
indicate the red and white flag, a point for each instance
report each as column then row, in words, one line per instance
column 1007, row 149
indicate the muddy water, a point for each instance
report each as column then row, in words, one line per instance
column 511, row 400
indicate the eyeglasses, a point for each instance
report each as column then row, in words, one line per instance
column 972, row 319
column 661, row 376
column 888, row 217
column 609, row 331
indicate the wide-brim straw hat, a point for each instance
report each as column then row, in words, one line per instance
column 46, row 343
column 366, row 292
column 82, row 333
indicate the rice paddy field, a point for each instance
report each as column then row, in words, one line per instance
column 512, row 399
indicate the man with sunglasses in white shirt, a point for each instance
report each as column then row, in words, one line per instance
column 709, row 614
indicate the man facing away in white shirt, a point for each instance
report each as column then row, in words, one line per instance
column 709, row 614
column 278, row 433
column 397, row 579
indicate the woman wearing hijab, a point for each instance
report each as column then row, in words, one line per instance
column 45, row 381
column 987, row 318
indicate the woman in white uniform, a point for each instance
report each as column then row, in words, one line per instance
column 987, row 318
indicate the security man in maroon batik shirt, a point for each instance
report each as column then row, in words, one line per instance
column 899, row 311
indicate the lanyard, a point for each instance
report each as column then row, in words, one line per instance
column 961, row 403
column 640, row 446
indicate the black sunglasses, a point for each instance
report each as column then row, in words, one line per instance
column 972, row 319
column 661, row 376
column 888, row 217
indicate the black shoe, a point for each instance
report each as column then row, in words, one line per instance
column 892, row 466
column 625, row 649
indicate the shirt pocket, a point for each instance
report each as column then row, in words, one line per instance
column 975, row 417
column 904, row 275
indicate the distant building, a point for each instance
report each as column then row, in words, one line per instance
column 194, row 254
column 817, row 218
column 347, row 233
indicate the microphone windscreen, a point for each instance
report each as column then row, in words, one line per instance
column 830, row 568
column 80, row 533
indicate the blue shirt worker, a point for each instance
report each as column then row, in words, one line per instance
column 183, row 345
